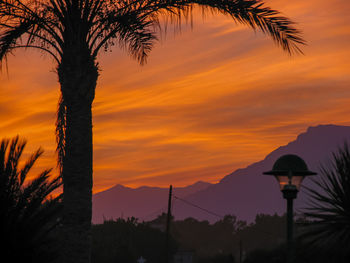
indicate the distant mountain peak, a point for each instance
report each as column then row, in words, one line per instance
column 199, row 184
column 325, row 127
column 322, row 129
column 144, row 202
column 244, row 193
column 118, row 186
column 308, row 144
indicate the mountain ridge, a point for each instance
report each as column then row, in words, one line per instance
column 246, row 192
column 141, row 203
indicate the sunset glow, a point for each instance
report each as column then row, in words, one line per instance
column 211, row 99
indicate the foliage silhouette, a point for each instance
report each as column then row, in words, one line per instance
column 329, row 209
column 263, row 241
column 224, row 237
column 217, row 242
column 73, row 32
column 207, row 240
column 28, row 216
column 127, row 240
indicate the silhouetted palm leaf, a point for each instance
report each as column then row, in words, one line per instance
column 27, row 213
column 330, row 208
column 133, row 23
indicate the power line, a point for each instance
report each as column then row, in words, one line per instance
column 201, row 208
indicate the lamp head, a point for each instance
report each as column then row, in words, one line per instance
column 290, row 169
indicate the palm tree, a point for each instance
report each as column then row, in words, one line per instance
column 28, row 215
column 329, row 211
column 73, row 32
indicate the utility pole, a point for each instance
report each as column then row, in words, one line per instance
column 167, row 233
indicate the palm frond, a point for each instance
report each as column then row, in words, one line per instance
column 61, row 132
column 10, row 170
column 29, row 164
column 329, row 207
column 132, row 32
column 124, row 23
column 10, row 37
column 135, row 23
column 250, row 12
column 132, row 23
column 27, row 212
column 28, row 25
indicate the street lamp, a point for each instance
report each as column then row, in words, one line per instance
column 290, row 170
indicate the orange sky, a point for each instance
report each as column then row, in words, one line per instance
column 210, row 100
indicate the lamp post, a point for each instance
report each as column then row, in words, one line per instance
column 290, row 170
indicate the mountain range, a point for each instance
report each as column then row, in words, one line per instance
column 244, row 193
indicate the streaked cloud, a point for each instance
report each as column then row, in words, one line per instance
column 211, row 99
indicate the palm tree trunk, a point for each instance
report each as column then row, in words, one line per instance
column 78, row 76
column 77, row 184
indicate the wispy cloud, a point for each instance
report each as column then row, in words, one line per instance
column 211, row 99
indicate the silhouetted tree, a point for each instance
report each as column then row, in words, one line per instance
column 229, row 235
column 329, row 209
column 127, row 240
column 27, row 214
column 267, row 232
column 73, row 32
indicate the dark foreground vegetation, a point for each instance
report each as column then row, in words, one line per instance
column 30, row 224
column 126, row 240
column 226, row 241
column 28, row 215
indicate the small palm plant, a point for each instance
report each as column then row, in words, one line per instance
column 28, row 215
column 329, row 230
